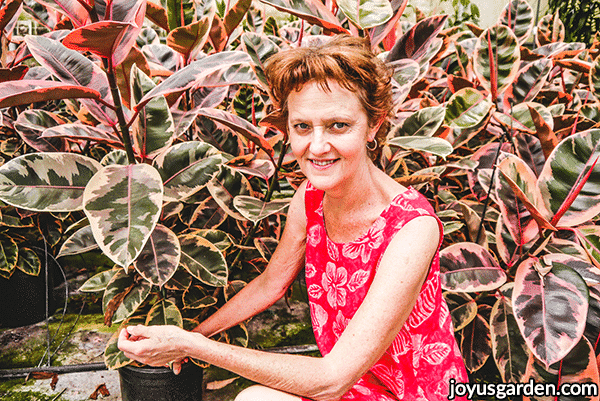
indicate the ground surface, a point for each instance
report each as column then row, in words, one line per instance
column 24, row 347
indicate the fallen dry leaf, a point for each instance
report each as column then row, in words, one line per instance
column 219, row 384
column 100, row 390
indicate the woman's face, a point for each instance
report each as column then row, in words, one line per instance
column 328, row 132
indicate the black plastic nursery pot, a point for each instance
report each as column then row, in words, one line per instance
column 161, row 384
column 23, row 299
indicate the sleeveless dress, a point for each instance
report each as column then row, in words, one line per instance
column 424, row 356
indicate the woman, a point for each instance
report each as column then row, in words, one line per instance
column 369, row 247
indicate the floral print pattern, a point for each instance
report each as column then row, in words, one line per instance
column 424, row 356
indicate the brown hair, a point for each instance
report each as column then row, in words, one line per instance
column 344, row 59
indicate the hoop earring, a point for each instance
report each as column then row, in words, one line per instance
column 373, row 146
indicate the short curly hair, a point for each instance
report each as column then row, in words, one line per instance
column 344, row 59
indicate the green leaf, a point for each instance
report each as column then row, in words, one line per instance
column 518, row 16
column 160, row 256
column 180, row 12
column 467, row 108
column 570, row 181
column 29, row 262
column 589, row 237
column 98, row 282
column 80, row 242
column 497, row 58
column 424, row 122
column 123, row 204
column 544, row 298
column 187, row 167
column 225, row 186
column 203, row 260
column 195, row 297
column 154, row 127
column 9, row 253
column 366, row 13
column 50, row 182
column 255, row 209
column 508, row 345
column 135, row 295
column 437, row 146
column 114, row 358
column 164, row 313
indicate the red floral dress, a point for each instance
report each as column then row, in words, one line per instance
column 424, row 355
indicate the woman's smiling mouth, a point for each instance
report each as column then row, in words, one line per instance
column 323, row 163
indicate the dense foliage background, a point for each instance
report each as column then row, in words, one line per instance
column 141, row 131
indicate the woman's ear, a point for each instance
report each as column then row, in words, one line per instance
column 374, row 129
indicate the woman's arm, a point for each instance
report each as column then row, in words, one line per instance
column 390, row 300
column 268, row 287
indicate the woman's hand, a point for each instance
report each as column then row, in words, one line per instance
column 155, row 345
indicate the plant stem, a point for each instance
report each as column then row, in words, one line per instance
column 268, row 196
column 114, row 89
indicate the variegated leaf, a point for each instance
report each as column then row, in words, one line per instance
column 187, row 167
column 123, row 204
column 80, row 242
column 528, row 83
column 218, row 238
column 468, row 267
column 496, row 58
column 586, row 270
column 164, row 313
column 114, row 358
column 266, row 246
column 434, row 145
column 52, row 182
column 467, row 108
column 203, row 260
column 29, row 262
column 31, row 124
column 518, row 16
column 550, row 309
column 520, row 117
column 154, row 128
column 259, row 48
column 99, row 281
column 589, row 237
column 160, row 256
column 476, row 344
column 570, row 180
column 225, row 186
column 196, row 297
column 424, row 122
column 122, row 297
column 118, row 157
column 208, row 214
column 83, row 132
column 416, row 41
column 550, row 30
column 366, row 13
column 508, row 345
column 255, row 209
column 313, row 11
column 462, row 307
column 9, row 253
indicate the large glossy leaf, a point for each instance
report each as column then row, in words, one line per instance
column 196, row 297
column 180, row 12
column 132, row 12
column 122, row 297
column 81, row 241
column 160, row 256
column 240, row 126
column 123, row 204
column 496, row 59
column 220, row 69
column 520, row 117
column 235, row 15
column 366, row 13
column 380, row 33
column 529, row 149
column 46, row 181
column 462, row 307
column 587, row 271
column 255, row 209
column 476, row 344
column 83, row 132
column 467, row 108
column 416, row 41
column 550, row 304
column 518, row 16
column 16, row 93
column 208, row 214
column 424, row 122
column 550, row 30
column 437, row 146
column 100, row 38
column 508, row 345
column 313, row 11
column 29, row 262
column 528, row 83
column 78, row 15
column 225, row 186
column 30, row 125
column 260, row 48
column 570, row 180
column 154, row 128
column 203, row 260
column 72, row 67
column 186, row 168
column 164, row 313
column 98, row 282
column 190, row 39
column 517, row 196
column 469, row 267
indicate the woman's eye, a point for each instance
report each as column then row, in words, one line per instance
column 301, row 126
column 339, row 126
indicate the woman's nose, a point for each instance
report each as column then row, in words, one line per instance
column 319, row 143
